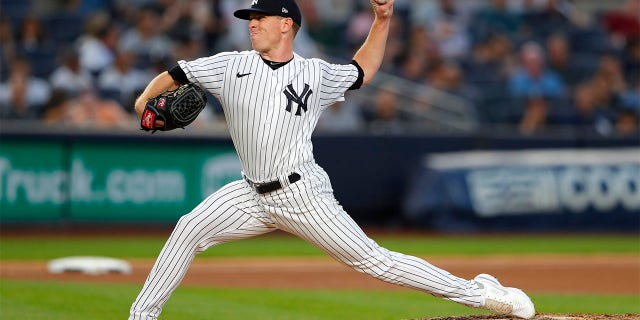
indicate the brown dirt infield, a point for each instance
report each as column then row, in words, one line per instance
column 604, row 274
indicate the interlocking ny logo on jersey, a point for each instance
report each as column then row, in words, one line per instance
column 301, row 99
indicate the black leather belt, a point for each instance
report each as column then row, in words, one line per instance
column 270, row 186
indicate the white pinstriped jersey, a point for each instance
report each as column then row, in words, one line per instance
column 271, row 114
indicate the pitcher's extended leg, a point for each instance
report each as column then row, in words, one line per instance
column 320, row 220
column 222, row 217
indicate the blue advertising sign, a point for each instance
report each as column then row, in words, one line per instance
column 585, row 187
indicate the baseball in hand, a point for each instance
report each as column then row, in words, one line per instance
column 387, row 12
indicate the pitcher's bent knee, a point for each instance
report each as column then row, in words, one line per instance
column 376, row 264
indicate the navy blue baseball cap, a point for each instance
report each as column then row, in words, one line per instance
column 283, row 8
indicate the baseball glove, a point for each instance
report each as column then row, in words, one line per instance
column 177, row 108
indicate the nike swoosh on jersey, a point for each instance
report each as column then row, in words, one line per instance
column 240, row 75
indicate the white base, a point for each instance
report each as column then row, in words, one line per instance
column 89, row 265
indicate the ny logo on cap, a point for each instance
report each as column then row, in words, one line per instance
column 254, row 2
column 284, row 10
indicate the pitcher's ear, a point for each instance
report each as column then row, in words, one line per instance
column 288, row 22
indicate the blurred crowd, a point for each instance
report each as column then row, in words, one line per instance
column 529, row 64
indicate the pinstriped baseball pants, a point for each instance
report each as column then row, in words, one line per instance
column 307, row 209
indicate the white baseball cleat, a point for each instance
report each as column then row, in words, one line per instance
column 504, row 300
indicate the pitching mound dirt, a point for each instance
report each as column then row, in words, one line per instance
column 545, row 317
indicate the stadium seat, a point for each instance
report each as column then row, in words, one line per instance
column 16, row 10
column 64, row 28
column 42, row 62
column 590, row 40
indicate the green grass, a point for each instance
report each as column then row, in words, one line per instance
column 36, row 300
column 39, row 248
column 112, row 301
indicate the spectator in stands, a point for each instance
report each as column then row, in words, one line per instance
column 453, row 42
column 33, row 44
column 627, row 123
column 631, row 61
column 87, row 111
column 534, row 88
column 540, row 22
column 235, row 37
column 64, row 23
column 55, row 112
column 123, row 81
column 533, row 78
column 7, row 46
column 488, row 71
column 423, row 33
column 186, row 47
column 174, row 18
column 623, row 24
column 309, row 10
column 492, row 61
column 357, row 27
column 96, row 47
column 608, row 85
column 144, row 38
column 413, row 67
column 69, row 76
column 87, row 7
column 630, row 99
column 535, row 115
column 610, row 68
column 494, row 18
column 341, row 117
column 383, row 114
column 443, row 75
column 194, row 19
column 331, row 17
column 32, row 36
column 23, row 96
column 419, row 51
column 447, row 22
column 589, row 116
column 560, row 60
column 335, row 13
column 447, row 76
column 421, row 42
column 207, row 17
column 396, row 45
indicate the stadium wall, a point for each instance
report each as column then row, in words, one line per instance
column 76, row 177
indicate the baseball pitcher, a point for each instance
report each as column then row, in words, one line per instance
column 272, row 99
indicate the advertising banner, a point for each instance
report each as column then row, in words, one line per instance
column 33, row 181
column 529, row 189
column 150, row 183
column 109, row 181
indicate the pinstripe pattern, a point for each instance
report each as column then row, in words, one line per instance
column 271, row 143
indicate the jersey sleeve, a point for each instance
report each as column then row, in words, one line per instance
column 208, row 72
column 336, row 80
